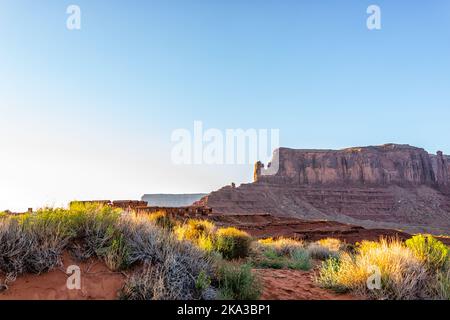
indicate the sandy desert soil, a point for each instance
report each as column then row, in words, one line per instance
column 294, row 285
column 97, row 283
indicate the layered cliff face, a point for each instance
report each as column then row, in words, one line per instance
column 394, row 186
column 379, row 166
column 441, row 169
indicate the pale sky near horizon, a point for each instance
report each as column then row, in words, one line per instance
column 88, row 114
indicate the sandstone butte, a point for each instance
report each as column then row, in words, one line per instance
column 390, row 186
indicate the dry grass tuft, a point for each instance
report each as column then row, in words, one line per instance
column 403, row 275
column 238, row 282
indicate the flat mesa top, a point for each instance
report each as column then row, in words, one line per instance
column 384, row 147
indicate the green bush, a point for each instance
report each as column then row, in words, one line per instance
column 203, row 282
column 232, row 243
column 271, row 264
column 269, row 259
column 428, row 250
column 237, row 282
column 272, row 254
column 300, row 260
column 268, row 255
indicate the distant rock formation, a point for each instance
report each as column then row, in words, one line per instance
column 441, row 169
column 381, row 165
column 389, row 186
column 172, row 200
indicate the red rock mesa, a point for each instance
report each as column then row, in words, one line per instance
column 388, row 186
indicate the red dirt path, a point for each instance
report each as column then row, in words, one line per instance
column 294, row 285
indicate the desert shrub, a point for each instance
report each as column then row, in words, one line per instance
column 332, row 244
column 49, row 239
column 329, row 275
column 442, row 285
column 428, row 250
column 86, row 229
column 237, row 282
column 283, row 246
column 194, row 229
column 140, row 285
column 271, row 264
column 163, row 220
column 206, row 243
column 402, row 275
column 14, row 247
column 167, row 280
column 144, row 240
column 151, row 283
column 320, row 252
column 203, row 281
column 173, row 267
column 115, row 255
column 269, row 259
column 199, row 232
column 28, row 245
column 96, row 231
column 183, row 266
column 232, row 243
column 91, row 206
column 297, row 260
column 46, row 220
column 271, row 254
column 280, row 254
column 300, row 260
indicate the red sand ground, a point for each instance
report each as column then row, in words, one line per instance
column 295, row 285
column 97, row 283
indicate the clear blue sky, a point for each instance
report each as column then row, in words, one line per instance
column 137, row 70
